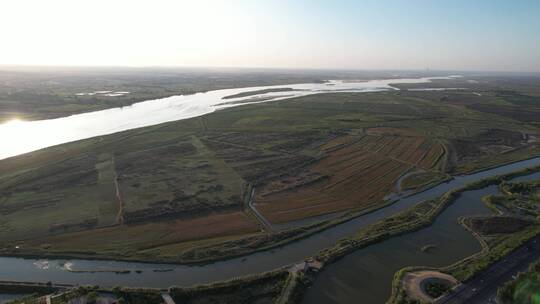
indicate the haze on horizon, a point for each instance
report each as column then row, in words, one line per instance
column 451, row 35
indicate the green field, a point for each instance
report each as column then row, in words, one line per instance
column 160, row 192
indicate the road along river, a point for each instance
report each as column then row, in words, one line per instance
column 164, row 275
column 27, row 136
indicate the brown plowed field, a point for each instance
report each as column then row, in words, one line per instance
column 360, row 171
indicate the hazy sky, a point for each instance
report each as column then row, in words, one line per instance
column 355, row 34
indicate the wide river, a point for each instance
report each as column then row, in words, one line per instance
column 26, row 136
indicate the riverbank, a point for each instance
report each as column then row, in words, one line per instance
column 264, row 287
column 231, row 249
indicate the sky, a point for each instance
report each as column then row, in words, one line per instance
column 491, row 35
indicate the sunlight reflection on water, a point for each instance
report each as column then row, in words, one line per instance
column 25, row 136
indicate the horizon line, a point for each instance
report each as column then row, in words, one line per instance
column 335, row 69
